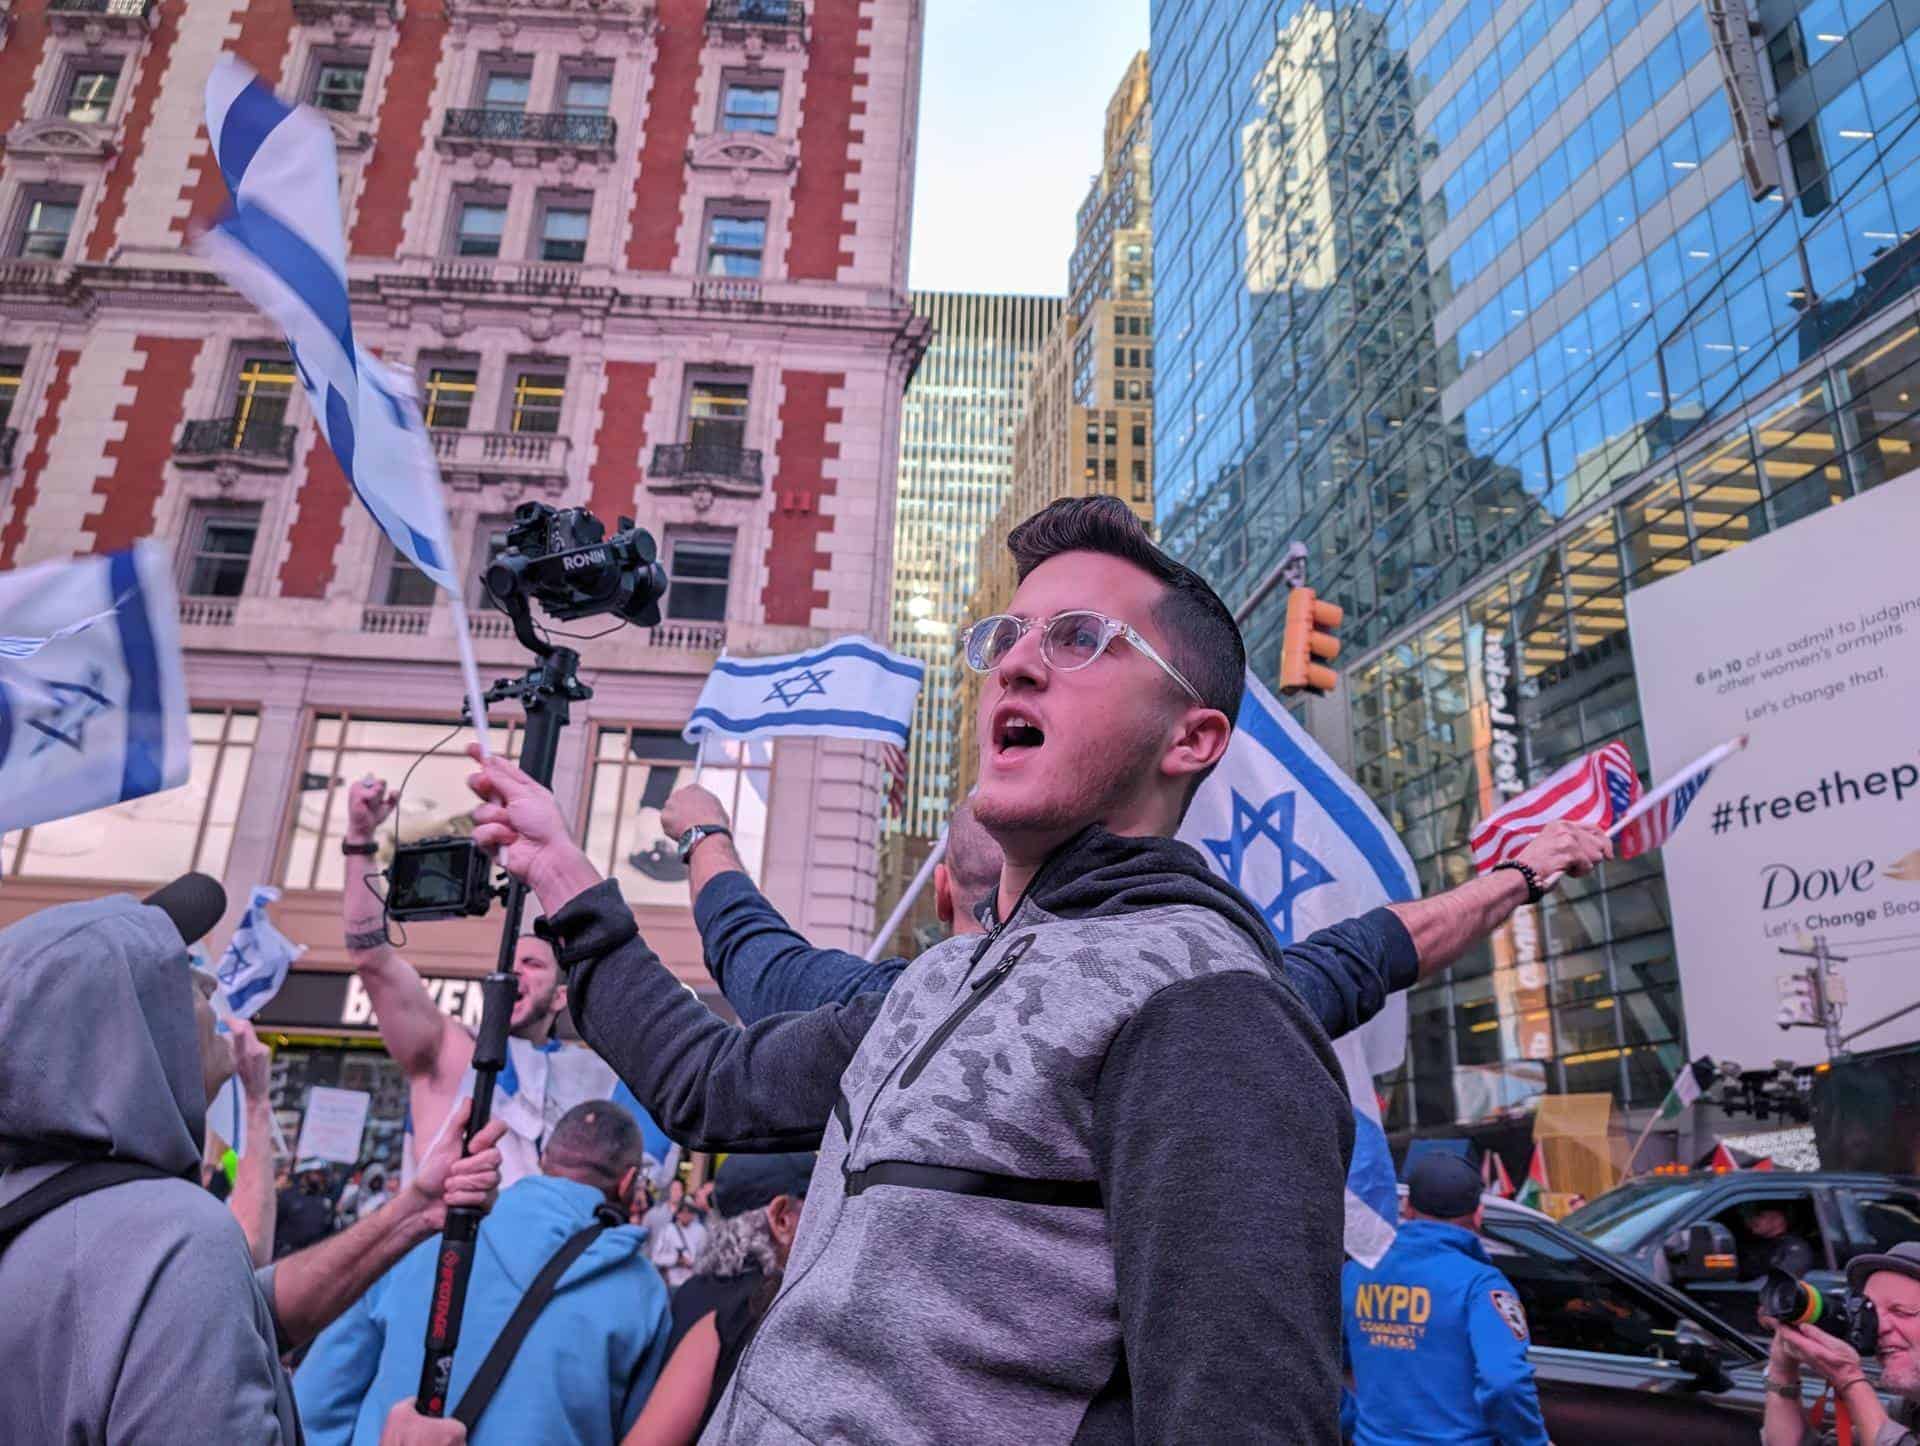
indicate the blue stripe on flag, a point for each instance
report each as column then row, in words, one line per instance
column 915, row 671
column 248, row 122
column 237, row 999
column 802, row 717
column 141, row 772
column 291, row 258
column 1370, row 1174
column 340, row 438
column 1342, row 809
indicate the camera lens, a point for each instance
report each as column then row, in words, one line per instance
column 1790, row 1301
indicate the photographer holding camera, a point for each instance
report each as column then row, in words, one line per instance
column 1884, row 1313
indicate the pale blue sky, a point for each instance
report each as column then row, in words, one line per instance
column 1013, row 94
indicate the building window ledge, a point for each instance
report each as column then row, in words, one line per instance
column 518, row 460
column 571, row 14
column 207, row 612
column 757, row 23
column 344, row 15
column 96, row 19
column 538, row 135
column 225, row 442
column 742, row 154
column 57, row 139
column 688, row 466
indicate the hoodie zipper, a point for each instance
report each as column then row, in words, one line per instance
column 977, row 994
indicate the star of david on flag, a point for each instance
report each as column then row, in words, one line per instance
column 850, row 688
column 1278, row 819
column 93, row 692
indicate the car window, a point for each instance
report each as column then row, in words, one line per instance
column 1622, row 1223
column 1765, row 1229
column 1889, row 1219
column 1576, row 1303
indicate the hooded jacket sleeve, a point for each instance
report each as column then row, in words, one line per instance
column 1346, row 971
column 1503, row 1379
column 709, row 1084
column 1221, row 1137
column 764, row 967
column 199, row 1362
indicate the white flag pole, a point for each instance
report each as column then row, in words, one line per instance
column 1706, row 760
column 470, row 671
column 906, row 900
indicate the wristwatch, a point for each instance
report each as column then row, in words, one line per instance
column 692, row 837
column 369, row 848
column 1534, row 892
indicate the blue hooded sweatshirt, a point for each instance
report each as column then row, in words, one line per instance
column 581, row 1375
column 1438, row 1343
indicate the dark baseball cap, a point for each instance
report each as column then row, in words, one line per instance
column 1903, row 1259
column 1445, row 1186
column 193, row 902
column 752, row 1182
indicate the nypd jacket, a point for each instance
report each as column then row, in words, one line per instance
column 1080, row 1179
column 1438, row 1343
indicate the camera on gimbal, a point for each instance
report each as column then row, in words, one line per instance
column 562, row 559
column 1850, row 1318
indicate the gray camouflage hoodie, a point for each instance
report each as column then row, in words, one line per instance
column 132, row 1314
column 1079, row 1181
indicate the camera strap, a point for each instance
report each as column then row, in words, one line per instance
column 1842, row 1417
column 70, row 1184
column 513, row 1335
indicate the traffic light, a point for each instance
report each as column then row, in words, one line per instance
column 1308, row 642
column 1799, row 1000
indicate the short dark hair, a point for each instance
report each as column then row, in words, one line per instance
column 1203, row 640
column 595, row 1143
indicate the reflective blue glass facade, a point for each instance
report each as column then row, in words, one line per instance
column 1504, row 309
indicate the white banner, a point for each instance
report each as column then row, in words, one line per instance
column 1808, row 641
column 332, row 1127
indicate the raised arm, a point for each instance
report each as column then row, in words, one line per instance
column 1447, row 925
column 412, row 1027
column 252, row 1201
column 710, row 1085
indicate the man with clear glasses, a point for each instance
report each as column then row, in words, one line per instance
column 1001, row 1239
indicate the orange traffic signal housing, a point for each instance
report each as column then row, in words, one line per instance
column 1308, row 642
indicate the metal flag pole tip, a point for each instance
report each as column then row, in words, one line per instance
column 470, row 672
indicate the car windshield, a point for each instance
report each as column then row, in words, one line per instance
column 1623, row 1219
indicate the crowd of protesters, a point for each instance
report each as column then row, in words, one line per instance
column 1009, row 1250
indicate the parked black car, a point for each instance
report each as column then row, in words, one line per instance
column 1696, row 1231
column 1618, row 1356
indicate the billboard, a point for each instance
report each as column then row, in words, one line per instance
column 1808, row 641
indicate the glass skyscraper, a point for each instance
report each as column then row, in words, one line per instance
column 1503, row 308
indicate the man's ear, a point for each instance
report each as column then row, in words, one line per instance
column 783, row 1215
column 943, row 895
column 559, row 1000
column 629, row 1182
column 1199, row 740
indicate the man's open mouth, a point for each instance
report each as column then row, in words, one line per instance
column 1015, row 731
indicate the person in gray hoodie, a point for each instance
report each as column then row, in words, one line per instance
column 1001, row 1241
column 134, row 1312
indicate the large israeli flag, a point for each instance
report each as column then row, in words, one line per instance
column 1278, row 819
column 851, row 688
column 93, row 693
column 257, row 958
column 282, row 246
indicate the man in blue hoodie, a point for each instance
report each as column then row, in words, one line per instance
column 585, row 1368
column 1436, row 1335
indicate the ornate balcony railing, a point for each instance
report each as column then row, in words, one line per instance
column 692, row 637
column 207, row 612
column 119, row 9
column 485, row 623
column 552, row 128
column 318, row 12
column 94, row 16
column 265, row 444
column 706, row 459
column 395, row 621
column 785, row 14
column 726, row 288
column 9, row 438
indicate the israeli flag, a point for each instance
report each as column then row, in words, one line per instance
column 850, row 688
column 1278, row 819
column 281, row 245
column 257, row 958
column 93, row 693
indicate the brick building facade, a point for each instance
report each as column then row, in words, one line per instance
column 647, row 258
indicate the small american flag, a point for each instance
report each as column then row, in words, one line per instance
column 894, row 759
column 1593, row 790
column 1647, row 832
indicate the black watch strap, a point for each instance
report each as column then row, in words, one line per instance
column 698, row 831
column 369, row 848
column 1534, row 892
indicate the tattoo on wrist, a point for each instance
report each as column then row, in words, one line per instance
column 367, row 938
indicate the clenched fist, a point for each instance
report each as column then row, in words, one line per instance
column 689, row 806
column 368, row 806
column 1563, row 848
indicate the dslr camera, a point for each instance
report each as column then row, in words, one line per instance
column 562, row 559
column 1850, row 1318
